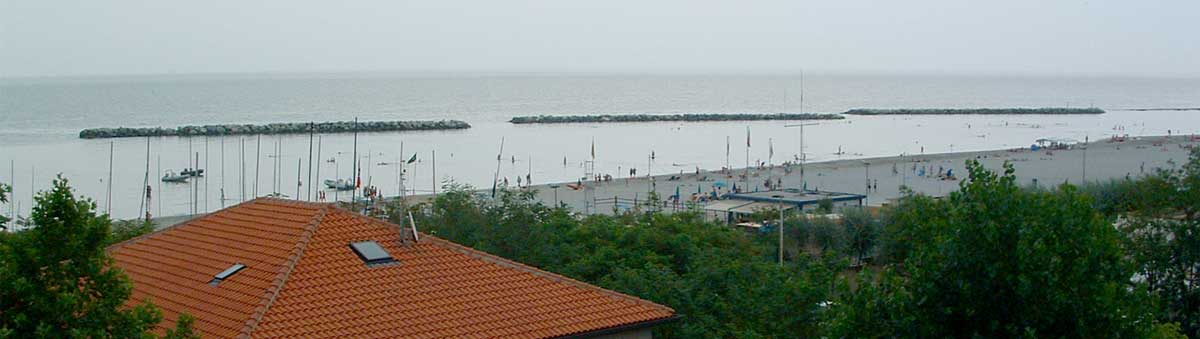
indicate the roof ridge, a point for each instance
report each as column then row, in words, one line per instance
column 272, row 292
column 538, row 272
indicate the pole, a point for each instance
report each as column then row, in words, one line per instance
column 727, row 154
column 400, row 171
column 867, row 192
column 242, row 165
column 202, row 177
column 312, row 127
column 146, row 185
column 1085, row 147
column 195, row 190
column 12, row 179
column 277, row 172
column 496, row 176
column 746, row 182
column 160, row 191
column 299, row 164
column 433, row 162
column 319, row 164
column 257, row 162
column 781, row 234
column 108, row 202
column 354, row 162
column 222, row 172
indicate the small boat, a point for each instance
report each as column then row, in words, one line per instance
column 172, row 177
column 339, row 184
column 197, row 172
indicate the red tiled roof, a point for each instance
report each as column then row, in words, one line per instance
column 302, row 280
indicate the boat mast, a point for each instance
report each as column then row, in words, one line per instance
column 312, row 127
column 200, row 175
column 145, row 201
column 299, row 164
column 318, row 164
column 496, row 176
column 108, row 202
column 257, row 157
column 354, row 162
column 222, row 173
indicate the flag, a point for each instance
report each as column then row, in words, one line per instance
column 726, row 147
column 770, row 147
column 358, row 179
column 593, row 149
column 413, row 159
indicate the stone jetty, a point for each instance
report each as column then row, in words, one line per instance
column 560, row 119
column 274, row 128
column 983, row 111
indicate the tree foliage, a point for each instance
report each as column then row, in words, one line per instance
column 4, row 191
column 994, row 260
column 725, row 283
column 56, row 281
column 1164, row 239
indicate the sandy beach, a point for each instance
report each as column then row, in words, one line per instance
column 1105, row 160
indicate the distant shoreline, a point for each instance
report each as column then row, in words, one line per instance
column 563, row 119
column 273, row 128
column 1163, row 109
column 976, row 111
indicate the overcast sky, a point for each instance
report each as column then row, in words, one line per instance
column 1121, row 37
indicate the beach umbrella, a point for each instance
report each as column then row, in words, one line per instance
column 677, row 196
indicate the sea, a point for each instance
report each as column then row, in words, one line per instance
column 40, row 119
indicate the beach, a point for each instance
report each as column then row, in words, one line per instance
column 1105, row 160
column 40, row 136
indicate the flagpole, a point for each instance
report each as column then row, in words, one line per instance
column 400, row 176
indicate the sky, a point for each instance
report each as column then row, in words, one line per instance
column 1153, row 38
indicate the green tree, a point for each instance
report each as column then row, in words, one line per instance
column 862, row 233
column 183, row 329
column 128, row 229
column 4, row 190
column 724, row 282
column 56, row 281
column 1163, row 236
column 994, row 260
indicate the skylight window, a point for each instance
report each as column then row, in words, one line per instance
column 228, row 272
column 371, row 253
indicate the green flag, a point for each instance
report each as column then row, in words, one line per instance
column 413, row 159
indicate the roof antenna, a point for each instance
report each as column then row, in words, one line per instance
column 413, row 223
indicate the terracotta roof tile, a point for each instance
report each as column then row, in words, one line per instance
column 302, row 280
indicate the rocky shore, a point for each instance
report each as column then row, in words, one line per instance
column 955, row 111
column 559, row 119
column 274, row 128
